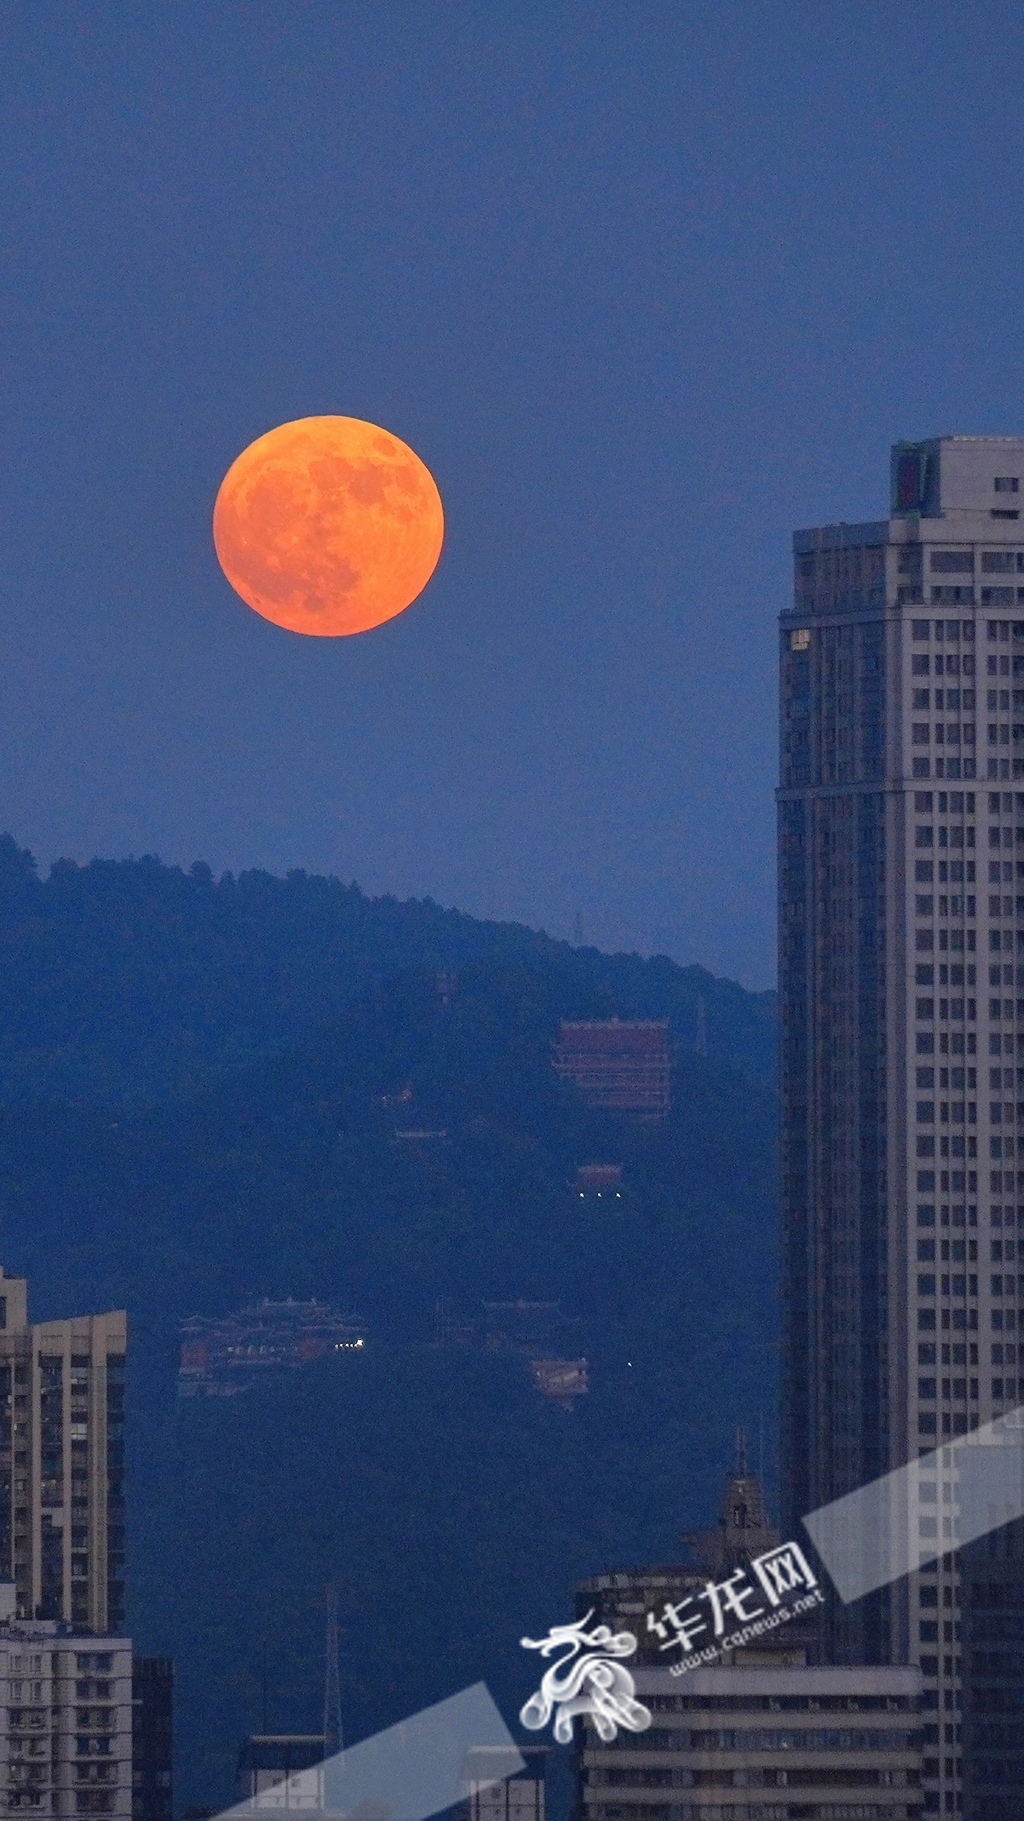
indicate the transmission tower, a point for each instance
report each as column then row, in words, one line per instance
column 332, row 1680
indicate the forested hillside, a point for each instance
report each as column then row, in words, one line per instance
column 205, row 1087
column 129, row 979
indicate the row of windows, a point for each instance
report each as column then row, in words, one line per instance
column 1003, row 1283
column 924, row 906
column 959, row 1146
column 956, row 1353
column 955, row 1182
column 682, row 1738
column 955, row 1009
column 961, row 1284
column 957, row 1391
column 956, row 1078
column 956, row 941
column 961, row 562
column 956, row 1250
column 949, row 664
column 952, row 871
column 954, row 698
column 999, row 631
column 954, row 630
column 912, row 595
column 952, row 733
column 926, row 835
column 951, row 768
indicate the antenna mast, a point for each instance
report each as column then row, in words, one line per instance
column 332, row 1679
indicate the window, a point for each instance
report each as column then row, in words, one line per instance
column 1007, row 483
column 800, row 639
column 948, row 597
column 952, row 562
column 998, row 562
column 920, row 628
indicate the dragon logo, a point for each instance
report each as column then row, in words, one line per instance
column 591, row 1683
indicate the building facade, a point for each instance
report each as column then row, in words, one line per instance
column 62, row 1463
column 901, row 907
column 65, row 1721
column 762, row 1734
column 741, row 1742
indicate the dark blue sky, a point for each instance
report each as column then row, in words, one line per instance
column 646, row 285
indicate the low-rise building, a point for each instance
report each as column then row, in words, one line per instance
column 493, row 1797
column 282, row 1771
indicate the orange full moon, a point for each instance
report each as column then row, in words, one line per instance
column 328, row 526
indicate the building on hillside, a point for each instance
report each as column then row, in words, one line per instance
column 599, row 1182
column 563, row 1380
column 152, row 1738
column 760, row 1734
column 65, row 1719
column 623, row 1064
column 533, row 1329
column 223, row 1355
column 62, row 1462
column 901, row 920
column 535, row 1332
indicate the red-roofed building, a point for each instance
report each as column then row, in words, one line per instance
column 624, row 1064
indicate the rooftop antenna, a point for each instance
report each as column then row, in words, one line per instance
column 700, row 1042
column 741, row 1454
column 332, row 1679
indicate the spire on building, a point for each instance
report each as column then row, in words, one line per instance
column 743, row 1530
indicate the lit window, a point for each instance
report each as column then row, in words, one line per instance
column 800, row 639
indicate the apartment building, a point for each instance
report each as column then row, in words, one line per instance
column 901, row 914
column 65, row 1719
column 62, row 1463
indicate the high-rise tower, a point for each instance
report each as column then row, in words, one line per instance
column 62, row 1463
column 901, row 834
